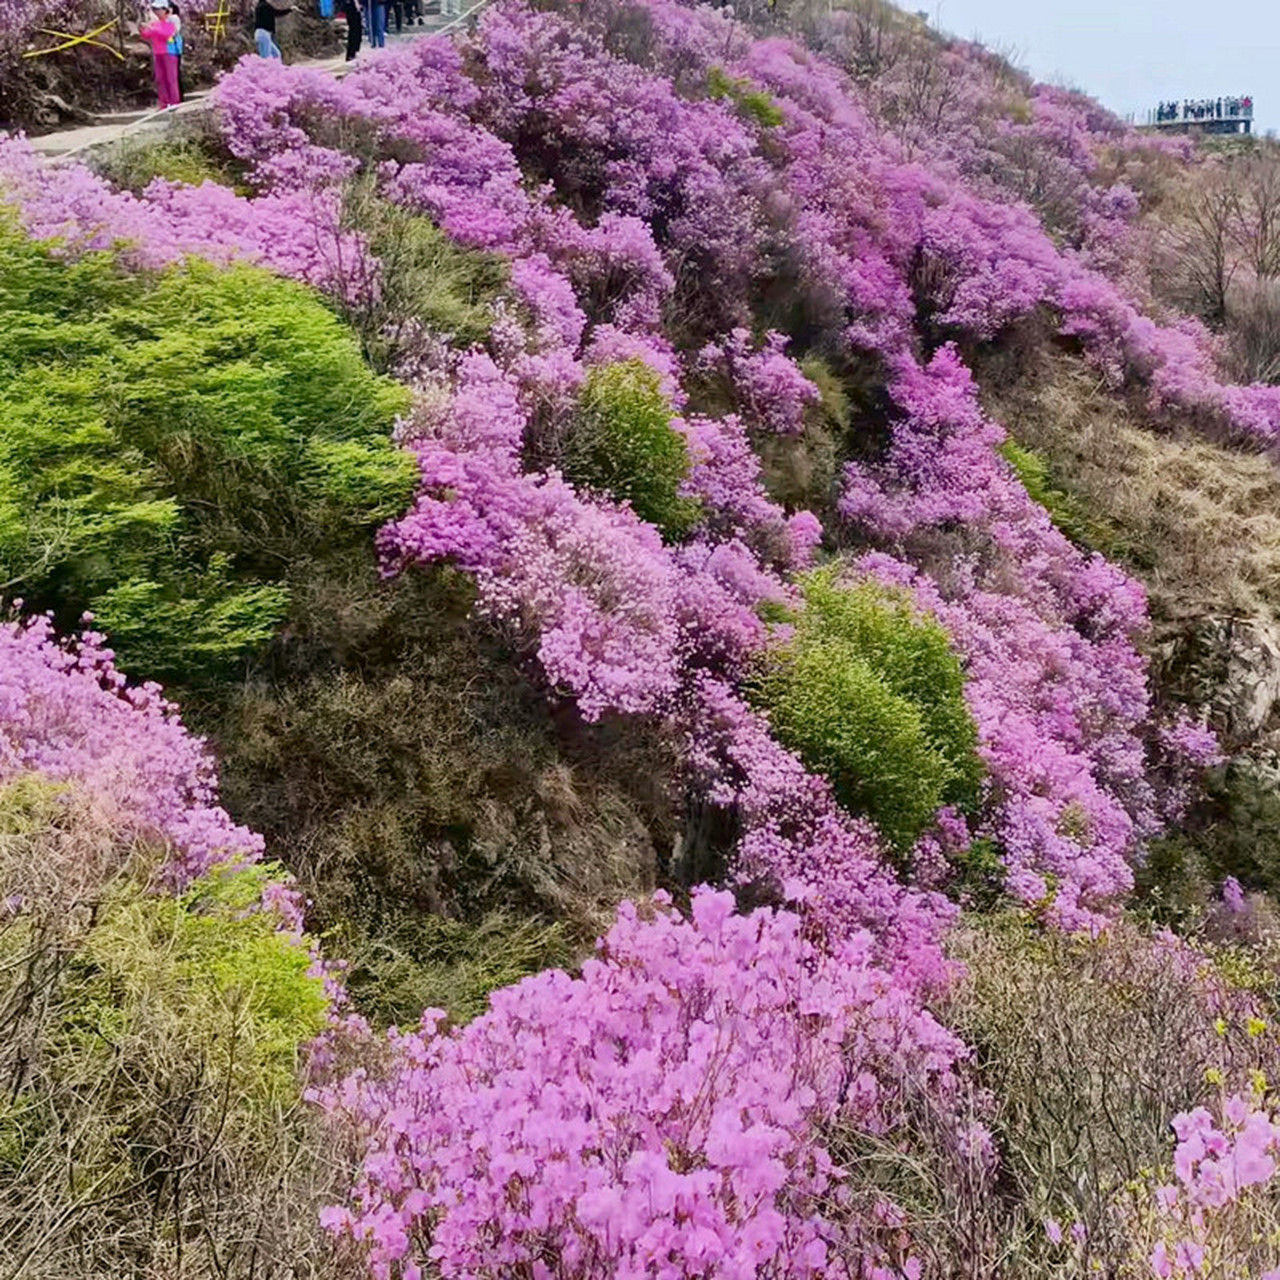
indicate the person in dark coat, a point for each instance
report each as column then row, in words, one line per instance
column 265, row 14
column 351, row 12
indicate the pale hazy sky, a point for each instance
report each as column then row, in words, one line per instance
column 1132, row 53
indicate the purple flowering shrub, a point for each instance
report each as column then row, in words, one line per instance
column 67, row 714
column 645, row 187
column 695, row 1063
column 765, row 386
column 1216, row 1217
column 1048, row 639
column 152, row 968
column 295, row 234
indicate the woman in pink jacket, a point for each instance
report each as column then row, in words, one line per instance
column 158, row 34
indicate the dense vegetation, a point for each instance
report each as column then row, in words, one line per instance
column 695, row 543
column 175, row 447
column 624, row 444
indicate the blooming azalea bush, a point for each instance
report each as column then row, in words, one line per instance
column 1221, row 1175
column 69, row 715
column 1216, row 1216
column 160, row 991
column 295, row 234
column 649, row 190
column 664, row 1109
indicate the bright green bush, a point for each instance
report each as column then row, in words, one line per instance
column 870, row 694
column 213, row 964
column 172, row 445
column 752, row 104
column 623, row 443
column 1071, row 515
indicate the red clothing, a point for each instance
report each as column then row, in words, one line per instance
column 167, row 79
column 158, row 34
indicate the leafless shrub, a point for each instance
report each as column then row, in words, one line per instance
column 1218, row 254
column 1253, row 328
column 1083, row 1051
column 1089, row 1047
column 139, row 1135
column 1205, row 244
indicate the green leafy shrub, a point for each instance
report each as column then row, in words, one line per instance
column 834, row 405
column 801, row 471
column 753, row 104
column 870, row 694
column 624, row 444
column 173, row 445
column 213, row 962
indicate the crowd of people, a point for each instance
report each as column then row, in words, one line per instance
column 1192, row 109
column 368, row 18
column 161, row 29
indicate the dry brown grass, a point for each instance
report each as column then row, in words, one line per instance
column 1198, row 522
column 400, row 760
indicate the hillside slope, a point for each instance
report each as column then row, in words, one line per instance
column 807, row 546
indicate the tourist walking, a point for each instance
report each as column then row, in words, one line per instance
column 264, row 27
column 158, row 33
column 375, row 21
column 351, row 12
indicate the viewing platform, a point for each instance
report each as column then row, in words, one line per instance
column 1203, row 115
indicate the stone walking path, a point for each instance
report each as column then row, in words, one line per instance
column 127, row 124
